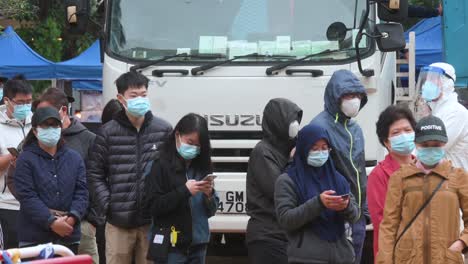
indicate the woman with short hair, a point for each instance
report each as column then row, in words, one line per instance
column 395, row 130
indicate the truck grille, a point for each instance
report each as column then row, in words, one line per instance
column 231, row 149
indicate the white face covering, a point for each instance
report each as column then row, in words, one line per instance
column 293, row 129
column 351, row 107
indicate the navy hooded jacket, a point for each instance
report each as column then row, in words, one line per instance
column 346, row 137
column 46, row 182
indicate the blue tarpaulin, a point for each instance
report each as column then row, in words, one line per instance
column 87, row 66
column 429, row 41
column 16, row 57
column 87, row 85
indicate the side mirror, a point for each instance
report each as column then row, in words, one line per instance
column 77, row 15
column 390, row 37
column 336, row 31
column 393, row 10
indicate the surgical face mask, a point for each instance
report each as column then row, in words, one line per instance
column 20, row 112
column 1, row 93
column 317, row 158
column 187, row 151
column 430, row 91
column 350, row 107
column 430, row 156
column 138, row 106
column 49, row 136
column 403, row 143
column 293, row 129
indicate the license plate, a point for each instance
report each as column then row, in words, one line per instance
column 231, row 202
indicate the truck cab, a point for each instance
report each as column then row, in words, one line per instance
column 226, row 59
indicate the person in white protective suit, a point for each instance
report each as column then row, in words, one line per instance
column 437, row 86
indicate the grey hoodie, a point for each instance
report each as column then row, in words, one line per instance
column 268, row 161
column 79, row 138
column 347, row 139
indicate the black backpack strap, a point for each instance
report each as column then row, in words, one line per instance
column 426, row 203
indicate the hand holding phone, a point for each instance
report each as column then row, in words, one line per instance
column 209, row 177
column 13, row 151
column 345, row 196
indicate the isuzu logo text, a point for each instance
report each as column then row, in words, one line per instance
column 234, row 120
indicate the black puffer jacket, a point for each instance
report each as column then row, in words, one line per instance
column 117, row 164
column 267, row 162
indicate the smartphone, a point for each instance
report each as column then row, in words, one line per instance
column 345, row 196
column 209, row 177
column 13, row 151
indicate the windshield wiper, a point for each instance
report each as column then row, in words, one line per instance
column 201, row 69
column 185, row 55
column 271, row 70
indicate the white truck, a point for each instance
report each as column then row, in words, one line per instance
column 225, row 59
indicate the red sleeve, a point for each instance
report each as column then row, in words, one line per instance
column 377, row 184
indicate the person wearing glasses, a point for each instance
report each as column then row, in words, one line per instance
column 15, row 123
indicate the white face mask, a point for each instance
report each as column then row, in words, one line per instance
column 351, row 107
column 293, row 129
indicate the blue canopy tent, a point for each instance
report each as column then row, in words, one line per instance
column 429, row 41
column 16, row 57
column 85, row 70
column 87, row 85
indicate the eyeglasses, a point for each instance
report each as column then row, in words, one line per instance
column 21, row 102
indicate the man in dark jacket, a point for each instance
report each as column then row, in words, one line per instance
column 344, row 97
column 266, row 242
column 123, row 148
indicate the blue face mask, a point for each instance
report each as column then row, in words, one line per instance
column 20, row 112
column 49, row 136
column 1, row 94
column 430, row 91
column 188, row 152
column 317, row 158
column 430, row 156
column 403, row 143
column 138, row 107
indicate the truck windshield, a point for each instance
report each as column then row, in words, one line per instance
column 151, row 29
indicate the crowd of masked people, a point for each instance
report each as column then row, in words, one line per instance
column 141, row 191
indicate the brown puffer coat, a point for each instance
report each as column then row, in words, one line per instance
column 436, row 228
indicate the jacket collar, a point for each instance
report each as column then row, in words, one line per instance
column 443, row 169
column 122, row 118
column 35, row 148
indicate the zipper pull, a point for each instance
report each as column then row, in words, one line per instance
column 174, row 236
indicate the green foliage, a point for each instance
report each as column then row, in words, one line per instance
column 21, row 10
column 45, row 38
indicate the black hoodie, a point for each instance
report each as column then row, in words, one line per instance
column 268, row 160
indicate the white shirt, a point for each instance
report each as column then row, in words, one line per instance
column 12, row 133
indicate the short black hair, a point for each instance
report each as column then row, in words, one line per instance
column 389, row 116
column 187, row 125
column 17, row 85
column 131, row 80
column 56, row 97
column 110, row 109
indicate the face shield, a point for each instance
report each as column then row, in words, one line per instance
column 431, row 83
